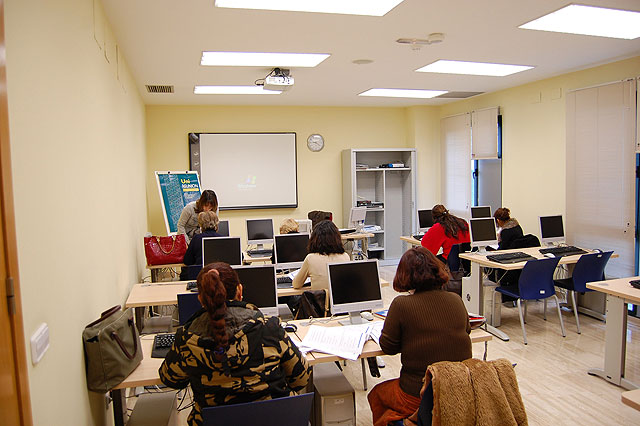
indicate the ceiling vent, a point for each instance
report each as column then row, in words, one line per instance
column 458, row 95
column 158, row 88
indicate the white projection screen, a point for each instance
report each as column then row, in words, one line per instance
column 248, row 170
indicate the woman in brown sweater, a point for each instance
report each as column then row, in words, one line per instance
column 426, row 326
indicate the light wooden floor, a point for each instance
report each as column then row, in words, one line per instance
column 551, row 370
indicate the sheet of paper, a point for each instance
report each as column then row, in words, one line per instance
column 345, row 342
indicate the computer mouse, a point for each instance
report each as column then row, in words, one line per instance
column 549, row 255
column 290, row 328
column 366, row 315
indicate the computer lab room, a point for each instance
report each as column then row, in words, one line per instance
column 425, row 212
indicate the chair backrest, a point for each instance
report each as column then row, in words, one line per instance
column 188, row 304
column 536, row 279
column 453, row 260
column 525, row 241
column 318, row 216
column 589, row 268
column 290, row 410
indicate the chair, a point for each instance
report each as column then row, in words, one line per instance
column 453, row 260
column 289, row 410
column 590, row 267
column 535, row 282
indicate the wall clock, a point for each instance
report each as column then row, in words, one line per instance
column 315, row 142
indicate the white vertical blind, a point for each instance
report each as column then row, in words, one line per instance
column 601, row 171
column 484, row 131
column 456, row 163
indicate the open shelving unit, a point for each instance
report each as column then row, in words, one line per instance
column 364, row 180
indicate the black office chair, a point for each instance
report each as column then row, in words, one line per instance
column 289, row 410
column 589, row 268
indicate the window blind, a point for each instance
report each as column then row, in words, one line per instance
column 484, row 134
column 456, row 163
column 601, row 172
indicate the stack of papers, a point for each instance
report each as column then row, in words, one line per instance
column 293, row 274
column 346, row 342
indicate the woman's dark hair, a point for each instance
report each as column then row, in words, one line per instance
column 208, row 197
column 419, row 270
column 451, row 224
column 502, row 214
column 325, row 239
column 217, row 283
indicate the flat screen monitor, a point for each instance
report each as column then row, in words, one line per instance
column 354, row 287
column 259, row 287
column 259, row 231
column 425, row 219
column 221, row 249
column 551, row 229
column 357, row 216
column 290, row 250
column 483, row 232
column 188, row 304
column 480, row 211
column 304, row 225
column 223, row 228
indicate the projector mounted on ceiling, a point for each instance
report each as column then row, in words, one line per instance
column 278, row 79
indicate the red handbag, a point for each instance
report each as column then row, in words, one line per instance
column 165, row 250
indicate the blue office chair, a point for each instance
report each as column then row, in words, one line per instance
column 535, row 282
column 589, row 268
column 289, row 410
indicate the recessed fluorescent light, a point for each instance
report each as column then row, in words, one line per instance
column 347, row 7
column 589, row 20
column 472, row 68
column 403, row 93
column 233, row 90
column 257, row 59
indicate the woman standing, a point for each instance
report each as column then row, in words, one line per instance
column 208, row 222
column 426, row 326
column 445, row 232
column 228, row 352
column 188, row 222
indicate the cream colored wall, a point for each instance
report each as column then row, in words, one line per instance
column 319, row 173
column 78, row 159
column 423, row 125
column 533, row 117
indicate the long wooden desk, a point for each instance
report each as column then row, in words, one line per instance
column 409, row 239
column 472, row 290
column 362, row 236
column 619, row 292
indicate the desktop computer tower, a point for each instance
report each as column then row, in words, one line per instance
column 334, row 402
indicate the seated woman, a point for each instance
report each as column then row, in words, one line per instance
column 228, row 352
column 188, row 221
column 510, row 229
column 446, row 231
column 426, row 326
column 208, row 222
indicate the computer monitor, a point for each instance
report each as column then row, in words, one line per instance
column 290, row 250
column 483, row 232
column 304, row 225
column 223, row 228
column 480, row 211
column 354, row 287
column 221, row 249
column 188, row 304
column 259, row 231
column 357, row 216
column 551, row 229
column 259, row 287
column 425, row 219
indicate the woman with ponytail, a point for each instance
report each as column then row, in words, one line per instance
column 426, row 326
column 446, row 231
column 229, row 352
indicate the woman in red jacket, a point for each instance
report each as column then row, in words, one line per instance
column 446, row 231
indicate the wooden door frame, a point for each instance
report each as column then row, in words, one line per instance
column 10, row 241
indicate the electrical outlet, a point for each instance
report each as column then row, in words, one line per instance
column 39, row 343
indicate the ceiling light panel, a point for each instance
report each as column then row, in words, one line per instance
column 346, row 7
column 257, row 59
column 403, row 93
column 233, row 90
column 589, row 20
column 473, row 68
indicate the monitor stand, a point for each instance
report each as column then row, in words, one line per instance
column 259, row 247
column 354, row 319
column 482, row 250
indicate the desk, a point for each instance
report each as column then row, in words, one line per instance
column 246, row 259
column 155, row 269
column 472, row 290
column 409, row 239
column 631, row 398
column 362, row 236
column 619, row 292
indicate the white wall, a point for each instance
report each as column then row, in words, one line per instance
column 79, row 167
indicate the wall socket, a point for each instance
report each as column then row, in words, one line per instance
column 39, row 343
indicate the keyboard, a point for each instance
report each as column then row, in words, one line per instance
column 161, row 345
column 284, row 279
column 514, row 257
column 562, row 251
column 259, row 252
column 418, row 236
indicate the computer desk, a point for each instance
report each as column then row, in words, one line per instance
column 246, row 259
column 619, row 292
column 362, row 236
column 409, row 239
column 473, row 292
column 166, row 293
